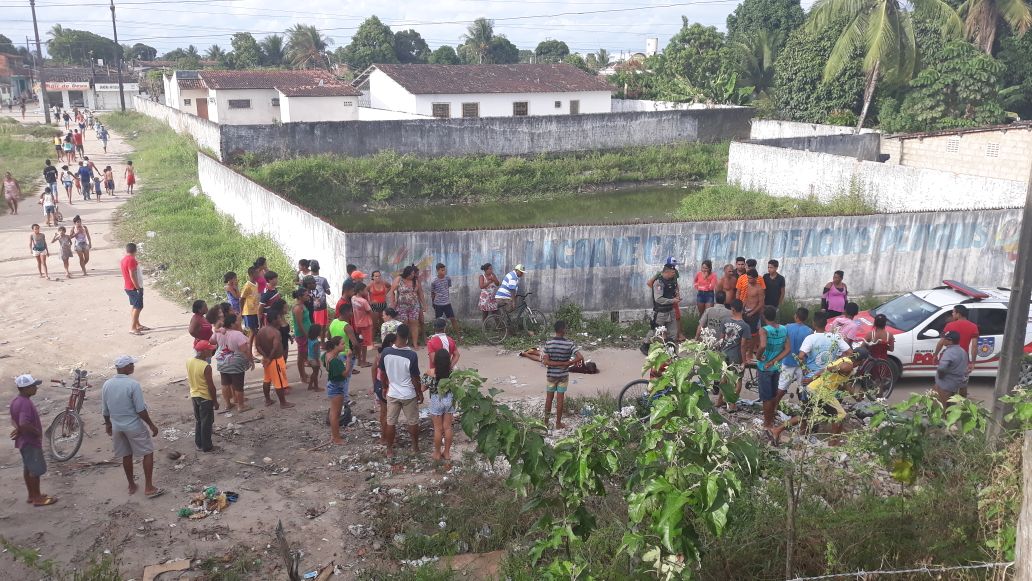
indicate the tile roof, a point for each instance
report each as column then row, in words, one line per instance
column 85, row 75
column 320, row 91
column 190, row 84
column 963, row 130
column 466, row 79
column 260, row 79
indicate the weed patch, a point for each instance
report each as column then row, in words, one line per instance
column 23, row 149
column 727, row 202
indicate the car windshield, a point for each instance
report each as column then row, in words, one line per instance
column 906, row 312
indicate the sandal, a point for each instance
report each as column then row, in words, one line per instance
column 156, row 493
column 45, row 501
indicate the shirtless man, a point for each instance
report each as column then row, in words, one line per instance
column 728, row 284
column 754, row 302
column 270, row 346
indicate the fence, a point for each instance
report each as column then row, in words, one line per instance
column 205, row 133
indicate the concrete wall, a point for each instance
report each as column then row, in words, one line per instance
column 298, row 109
column 892, row 188
column 205, row 132
column 260, row 112
column 1000, row 154
column 497, row 135
column 604, row 268
column 773, row 128
column 370, row 114
column 259, row 211
column 865, row 146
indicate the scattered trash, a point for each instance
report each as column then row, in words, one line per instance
column 151, row 572
column 171, row 434
column 206, row 503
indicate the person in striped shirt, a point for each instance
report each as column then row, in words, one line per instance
column 560, row 354
column 507, row 291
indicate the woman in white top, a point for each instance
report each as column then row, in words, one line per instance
column 81, row 242
column 48, row 200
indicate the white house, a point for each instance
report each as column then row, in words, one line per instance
column 185, row 91
column 93, row 88
column 448, row 91
column 257, row 97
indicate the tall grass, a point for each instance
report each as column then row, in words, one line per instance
column 22, row 151
column 732, row 203
column 329, row 183
column 178, row 232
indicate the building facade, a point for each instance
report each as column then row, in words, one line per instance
column 999, row 151
column 93, row 88
column 454, row 91
column 264, row 97
column 15, row 81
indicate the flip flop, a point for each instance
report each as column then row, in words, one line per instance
column 136, row 332
column 156, row 493
column 142, row 328
column 47, row 501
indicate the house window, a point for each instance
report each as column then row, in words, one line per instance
column 349, row 103
column 953, row 145
column 186, row 101
column 519, row 109
column 558, row 104
column 574, row 107
column 275, row 101
column 442, row 110
column 239, row 103
column 471, row 109
column 992, row 150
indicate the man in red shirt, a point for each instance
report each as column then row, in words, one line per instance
column 132, row 280
column 968, row 332
column 441, row 340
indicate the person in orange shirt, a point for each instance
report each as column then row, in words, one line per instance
column 743, row 280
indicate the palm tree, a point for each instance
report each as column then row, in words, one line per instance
column 602, row 58
column 883, row 31
column 982, row 20
column 215, row 53
column 758, row 52
column 272, row 50
column 191, row 51
column 56, row 31
column 306, row 47
column 478, row 36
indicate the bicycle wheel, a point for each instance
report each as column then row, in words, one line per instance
column 751, row 378
column 635, row 393
column 879, row 379
column 495, row 329
column 533, row 323
column 65, row 435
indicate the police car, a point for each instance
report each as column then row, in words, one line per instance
column 917, row 320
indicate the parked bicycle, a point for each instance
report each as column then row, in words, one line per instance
column 502, row 323
column 66, row 431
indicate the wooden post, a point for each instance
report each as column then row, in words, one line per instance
column 1023, row 543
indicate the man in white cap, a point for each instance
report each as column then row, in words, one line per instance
column 126, row 420
column 507, row 291
column 28, row 438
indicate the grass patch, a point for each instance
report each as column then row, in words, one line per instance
column 239, row 565
column 98, row 568
column 330, row 184
column 728, row 202
column 192, row 244
column 23, row 149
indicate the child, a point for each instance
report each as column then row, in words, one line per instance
column 202, row 393
column 442, row 405
column 109, row 180
column 130, row 177
column 67, row 180
column 28, row 438
column 363, row 317
column 96, row 185
column 314, row 332
column 440, row 296
column 560, row 354
column 269, row 298
column 66, row 248
column 38, row 248
column 379, row 382
column 249, row 304
column 390, row 322
column 302, row 321
column 261, row 267
column 338, row 372
column 232, row 292
column 48, row 199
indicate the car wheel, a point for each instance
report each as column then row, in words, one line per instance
column 897, row 369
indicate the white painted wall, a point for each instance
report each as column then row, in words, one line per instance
column 385, row 93
column 773, row 129
column 294, row 109
column 204, row 132
column 171, row 87
column 891, row 188
column 370, row 114
column 262, row 112
column 109, row 100
column 259, row 211
column 193, row 95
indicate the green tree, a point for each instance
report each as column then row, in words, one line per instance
column 759, row 50
column 444, row 55
column 798, row 92
column 696, row 56
column 246, row 52
column 142, row 52
column 223, row 60
column 526, row 55
column 6, row 46
column 591, row 61
column 603, row 58
column 503, row 52
column 409, row 47
column 73, row 46
column 959, row 88
column 883, row 31
column 273, row 53
column 477, row 39
column 372, row 43
column 778, row 17
column 579, row 62
column 634, row 79
column 551, row 51
column 1016, row 56
column 306, row 47
column 982, row 20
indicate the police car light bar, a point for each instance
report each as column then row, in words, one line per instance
column 965, row 289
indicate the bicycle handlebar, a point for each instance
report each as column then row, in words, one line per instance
column 524, row 295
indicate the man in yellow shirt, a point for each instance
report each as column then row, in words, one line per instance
column 202, row 393
column 249, row 300
column 823, row 404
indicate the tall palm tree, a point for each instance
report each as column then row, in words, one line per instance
column 56, row 31
column 758, row 51
column 191, row 51
column 306, row 47
column 479, row 35
column 883, row 31
column 982, row 20
column 215, row 53
column 603, row 58
column 272, row 50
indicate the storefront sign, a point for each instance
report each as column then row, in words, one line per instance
column 65, row 86
column 114, row 87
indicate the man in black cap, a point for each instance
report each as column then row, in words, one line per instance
column 951, row 374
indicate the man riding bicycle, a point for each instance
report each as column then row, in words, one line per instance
column 506, row 292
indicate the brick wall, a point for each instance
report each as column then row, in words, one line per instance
column 1002, row 154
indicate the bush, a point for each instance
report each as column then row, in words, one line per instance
column 731, row 203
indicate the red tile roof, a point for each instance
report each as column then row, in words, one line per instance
column 265, row 79
column 190, row 84
column 320, row 91
column 467, row 79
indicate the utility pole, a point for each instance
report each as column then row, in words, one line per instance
column 118, row 57
column 1017, row 319
column 44, row 102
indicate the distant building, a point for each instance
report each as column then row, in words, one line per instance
column 14, row 78
column 452, row 91
column 93, row 88
column 996, row 151
column 651, row 46
column 185, row 91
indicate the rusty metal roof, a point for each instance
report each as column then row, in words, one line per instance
column 265, row 79
column 1027, row 125
column 319, row 91
column 472, row 79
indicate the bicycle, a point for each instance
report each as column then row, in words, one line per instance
column 502, row 323
column 66, row 431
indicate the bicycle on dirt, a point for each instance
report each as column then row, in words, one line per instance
column 66, row 431
column 500, row 324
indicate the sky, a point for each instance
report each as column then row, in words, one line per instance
column 167, row 24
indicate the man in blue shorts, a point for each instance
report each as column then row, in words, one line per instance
column 560, row 355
